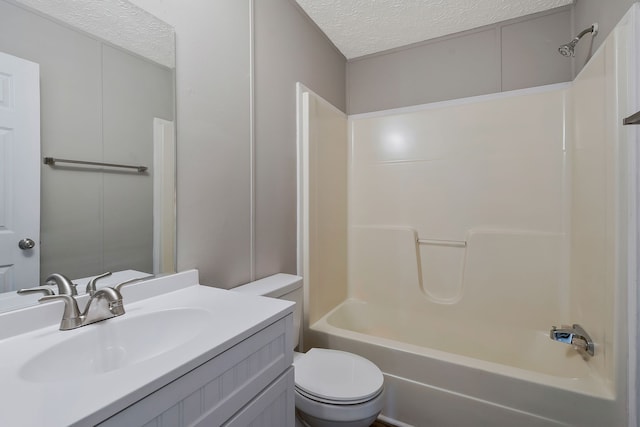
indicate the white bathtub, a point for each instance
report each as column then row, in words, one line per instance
column 441, row 373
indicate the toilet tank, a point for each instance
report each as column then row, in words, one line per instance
column 282, row 286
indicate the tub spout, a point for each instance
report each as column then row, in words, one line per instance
column 575, row 336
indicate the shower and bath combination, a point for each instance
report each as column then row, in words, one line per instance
column 568, row 49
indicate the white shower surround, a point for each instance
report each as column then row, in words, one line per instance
column 439, row 385
column 118, row 22
column 362, row 27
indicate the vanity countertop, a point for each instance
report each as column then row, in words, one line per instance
column 83, row 376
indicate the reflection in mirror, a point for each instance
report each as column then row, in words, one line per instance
column 106, row 94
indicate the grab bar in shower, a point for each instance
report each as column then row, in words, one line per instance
column 436, row 242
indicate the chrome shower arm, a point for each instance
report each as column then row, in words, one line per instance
column 592, row 29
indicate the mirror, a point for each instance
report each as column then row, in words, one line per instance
column 107, row 79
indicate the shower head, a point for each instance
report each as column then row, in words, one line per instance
column 569, row 48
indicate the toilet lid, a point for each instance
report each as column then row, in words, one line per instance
column 337, row 376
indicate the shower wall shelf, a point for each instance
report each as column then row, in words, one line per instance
column 52, row 162
column 633, row 119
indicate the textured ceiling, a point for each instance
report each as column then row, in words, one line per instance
column 362, row 27
column 116, row 21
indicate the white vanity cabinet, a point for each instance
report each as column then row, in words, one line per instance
column 249, row 384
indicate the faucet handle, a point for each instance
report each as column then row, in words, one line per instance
column 575, row 336
column 563, row 334
column 91, row 286
column 119, row 286
column 37, row 290
column 71, row 318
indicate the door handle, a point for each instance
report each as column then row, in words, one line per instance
column 26, row 244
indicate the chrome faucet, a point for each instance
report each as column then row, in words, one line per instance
column 65, row 286
column 105, row 303
column 573, row 335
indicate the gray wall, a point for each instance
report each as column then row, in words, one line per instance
column 288, row 48
column 217, row 208
column 97, row 103
column 510, row 55
column 213, row 130
column 607, row 13
column 214, row 207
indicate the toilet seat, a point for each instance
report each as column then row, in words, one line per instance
column 334, row 402
column 337, row 377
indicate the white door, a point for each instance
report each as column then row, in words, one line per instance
column 19, row 173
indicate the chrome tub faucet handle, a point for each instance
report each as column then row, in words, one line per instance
column 573, row 335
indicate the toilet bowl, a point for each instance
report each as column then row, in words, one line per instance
column 336, row 388
column 332, row 388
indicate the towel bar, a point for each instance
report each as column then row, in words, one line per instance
column 51, row 162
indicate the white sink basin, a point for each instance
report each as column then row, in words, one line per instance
column 113, row 344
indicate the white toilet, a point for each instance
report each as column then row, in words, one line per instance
column 333, row 388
